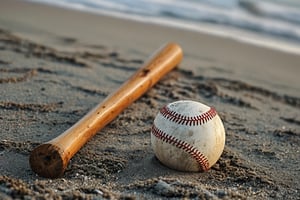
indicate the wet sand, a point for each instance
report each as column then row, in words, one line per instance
column 56, row 65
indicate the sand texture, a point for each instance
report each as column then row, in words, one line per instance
column 53, row 72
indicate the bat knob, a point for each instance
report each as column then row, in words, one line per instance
column 47, row 161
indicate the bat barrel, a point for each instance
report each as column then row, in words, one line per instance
column 51, row 159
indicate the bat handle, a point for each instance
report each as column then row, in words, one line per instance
column 51, row 159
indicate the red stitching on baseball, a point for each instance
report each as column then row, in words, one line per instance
column 195, row 153
column 186, row 120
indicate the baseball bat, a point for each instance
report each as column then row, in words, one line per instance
column 50, row 159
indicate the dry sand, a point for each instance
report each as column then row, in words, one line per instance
column 56, row 64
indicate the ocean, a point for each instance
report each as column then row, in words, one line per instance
column 269, row 23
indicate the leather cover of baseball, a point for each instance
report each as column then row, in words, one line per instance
column 188, row 136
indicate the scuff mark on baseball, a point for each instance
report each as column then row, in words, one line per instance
column 188, row 136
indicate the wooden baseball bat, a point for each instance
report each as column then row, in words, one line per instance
column 51, row 158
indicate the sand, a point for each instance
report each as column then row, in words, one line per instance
column 56, row 65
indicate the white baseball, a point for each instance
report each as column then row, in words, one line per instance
column 188, row 136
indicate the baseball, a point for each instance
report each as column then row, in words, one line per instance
column 188, row 136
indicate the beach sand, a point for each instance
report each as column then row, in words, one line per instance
column 57, row 64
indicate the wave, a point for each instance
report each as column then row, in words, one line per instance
column 280, row 20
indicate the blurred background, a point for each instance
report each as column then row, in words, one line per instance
column 264, row 22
